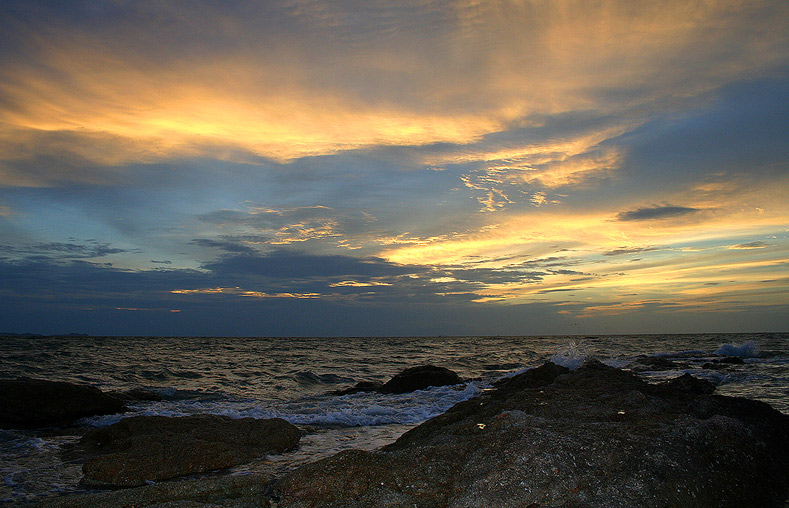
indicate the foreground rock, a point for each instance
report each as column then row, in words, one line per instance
column 247, row 491
column 26, row 402
column 594, row 437
column 152, row 448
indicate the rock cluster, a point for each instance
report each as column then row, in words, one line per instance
column 593, row 437
column 26, row 402
column 141, row 449
column 596, row 436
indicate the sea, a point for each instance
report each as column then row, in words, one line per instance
column 292, row 378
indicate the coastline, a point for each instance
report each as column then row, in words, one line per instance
column 550, row 436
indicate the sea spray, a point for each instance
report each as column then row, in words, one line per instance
column 748, row 349
column 571, row 355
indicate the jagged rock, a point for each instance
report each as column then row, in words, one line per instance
column 594, row 437
column 419, row 378
column 26, row 402
column 152, row 448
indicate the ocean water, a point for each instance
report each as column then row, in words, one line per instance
column 291, row 378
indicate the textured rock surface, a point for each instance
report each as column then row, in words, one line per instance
column 419, row 378
column 152, row 448
column 597, row 437
column 248, row 491
column 26, row 402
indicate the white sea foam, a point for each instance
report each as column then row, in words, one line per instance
column 748, row 349
column 360, row 409
column 570, row 355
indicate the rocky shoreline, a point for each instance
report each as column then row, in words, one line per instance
column 595, row 436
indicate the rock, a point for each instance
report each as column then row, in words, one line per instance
column 153, row 448
column 26, row 402
column 594, row 437
column 532, row 378
column 688, row 384
column 361, row 386
column 244, row 491
column 419, row 378
column 723, row 363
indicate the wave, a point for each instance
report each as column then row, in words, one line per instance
column 748, row 349
column 355, row 410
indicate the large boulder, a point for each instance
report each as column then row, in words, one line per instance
column 150, row 448
column 26, row 402
column 593, row 437
column 419, row 378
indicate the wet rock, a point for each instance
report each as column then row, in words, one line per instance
column 153, row 448
column 419, row 378
column 594, row 437
column 26, row 402
column 245, row 491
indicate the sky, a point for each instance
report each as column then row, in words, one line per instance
column 419, row 167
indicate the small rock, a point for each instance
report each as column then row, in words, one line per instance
column 419, row 378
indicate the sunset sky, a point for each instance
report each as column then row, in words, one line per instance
column 369, row 167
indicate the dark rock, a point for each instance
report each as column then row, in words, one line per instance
column 243, row 491
column 532, row 378
column 419, row 378
column 361, row 386
column 26, row 402
column 733, row 360
column 595, row 437
column 687, row 384
column 152, row 448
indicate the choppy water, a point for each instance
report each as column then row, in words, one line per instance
column 291, row 378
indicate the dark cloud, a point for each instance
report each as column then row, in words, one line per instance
column 628, row 250
column 656, row 212
column 288, row 264
column 62, row 250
